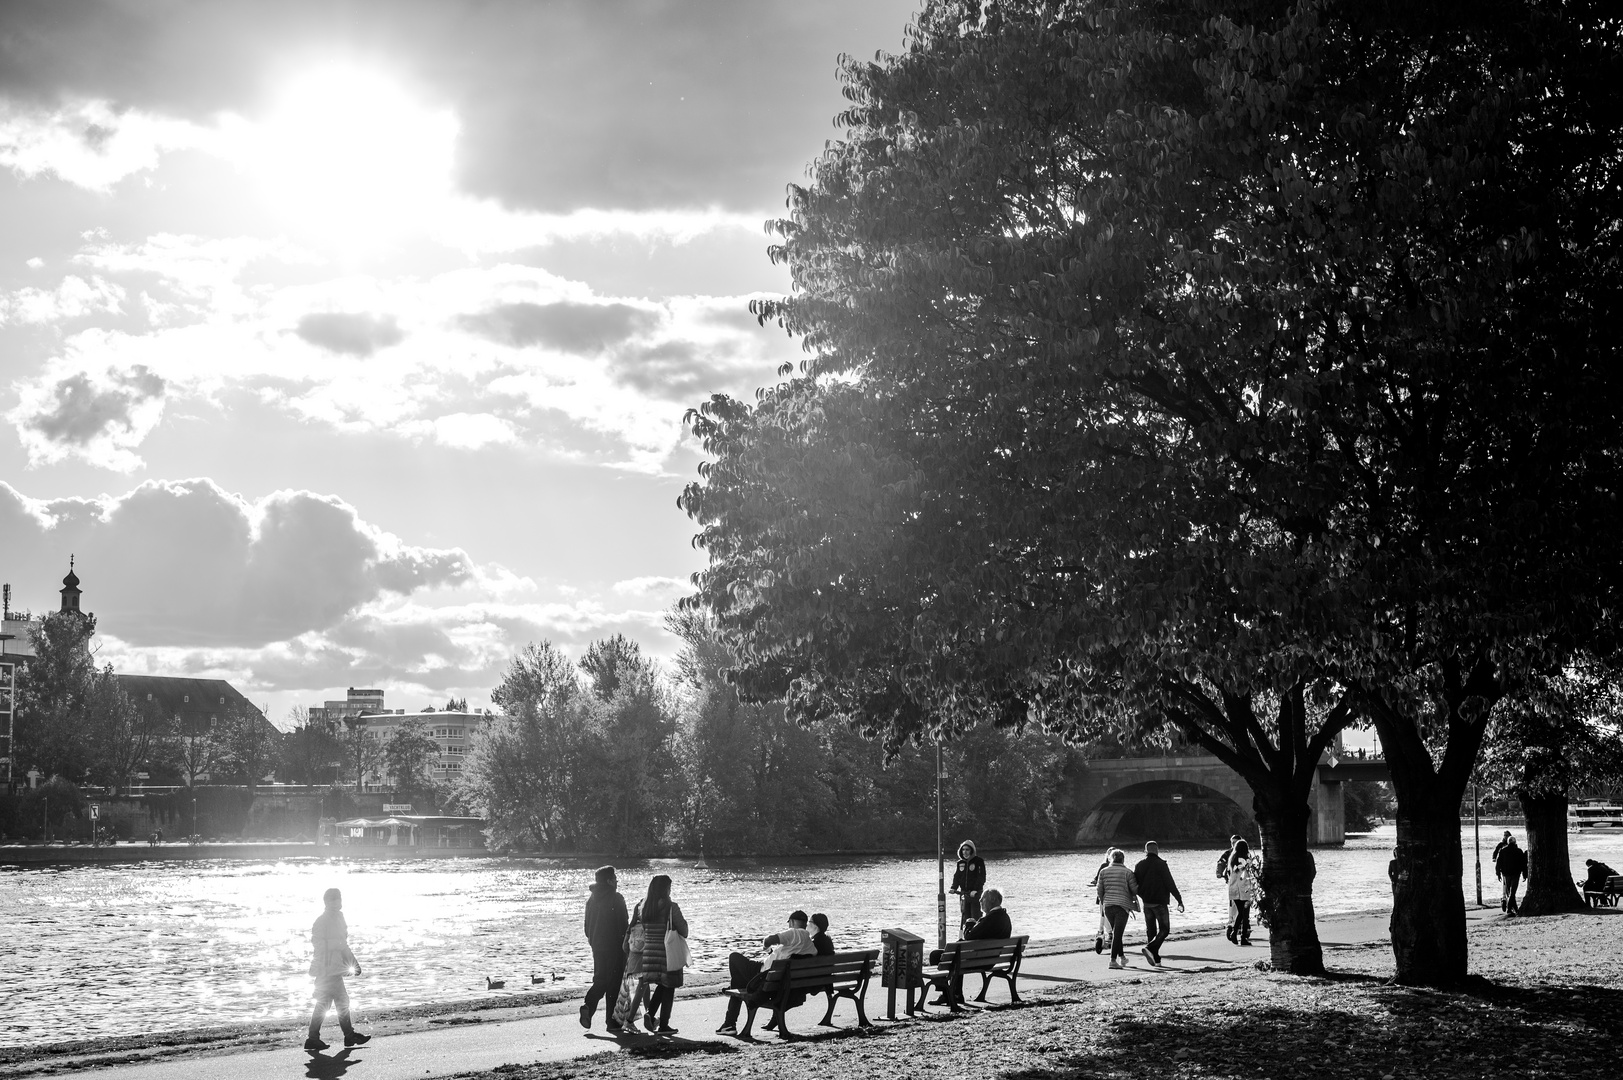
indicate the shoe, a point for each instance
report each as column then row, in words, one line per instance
column 727, row 1029
column 585, row 1017
column 314, row 1044
column 1246, row 941
column 612, row 1025
column 650, row 1023
column 665, row 1029
column 1153, row 961
column 1229, row 933
column 1098, row 944
column 355, row 1038
column 942, row 1000
column 1123, row 959
column 1113, row 965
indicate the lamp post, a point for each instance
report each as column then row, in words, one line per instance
column 1476, row 825
column 940, row 861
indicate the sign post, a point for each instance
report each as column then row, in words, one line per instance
column 940, row 861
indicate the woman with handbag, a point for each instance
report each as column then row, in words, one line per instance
column 664, row 952
column 631, row 988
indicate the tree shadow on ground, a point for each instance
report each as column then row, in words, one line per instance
column 1351, row 1026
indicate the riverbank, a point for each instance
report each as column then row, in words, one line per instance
column 42, row 854
column 1534, row 964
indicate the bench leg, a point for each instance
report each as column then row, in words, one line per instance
column 986, row 981
column 749, row 1021
column 828, row 1017
column 862, row 1013
column 780, row 1020
column 1014, row 994
column 955, row 993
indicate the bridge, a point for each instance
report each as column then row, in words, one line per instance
column 1111, row 790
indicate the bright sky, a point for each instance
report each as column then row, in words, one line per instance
column 348, row 344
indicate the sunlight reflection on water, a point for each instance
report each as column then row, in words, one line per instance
column 91, row 947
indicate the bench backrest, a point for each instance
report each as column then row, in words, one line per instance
column 983, row 955
column 816, row 972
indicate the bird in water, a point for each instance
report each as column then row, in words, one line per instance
column 494, row 984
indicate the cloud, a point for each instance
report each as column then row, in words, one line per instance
column 644, row 586
column 100, row 418
column 90, row 143
column 74, row 298
column 351, row 334
column 184, row 562
column 564, row 325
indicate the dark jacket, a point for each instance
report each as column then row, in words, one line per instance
column 970, row 877
column 1596, row 878
column 606, row 923
column 1155, row 882
column 1511, row 863
column 993, row 926
column 823, row 943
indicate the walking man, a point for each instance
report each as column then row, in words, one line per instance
column 332, row 961
column 606, row 922
column 1511, row 866
column 1155, row 890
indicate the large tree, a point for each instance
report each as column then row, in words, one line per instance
column 407, row 756
column 1558, row 735
column 1232, row 364
column 55, row 692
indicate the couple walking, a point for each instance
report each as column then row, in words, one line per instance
column 1121, row 891
column 636, row 954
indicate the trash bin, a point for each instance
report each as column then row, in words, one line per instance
column 901, row 965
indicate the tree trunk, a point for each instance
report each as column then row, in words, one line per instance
column 1428, row 901
column 1550, row 888
column 1287, row 885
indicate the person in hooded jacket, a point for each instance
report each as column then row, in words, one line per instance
column 1510, row 864
column 968, row 879
column 1244, row 871
column 606, row 922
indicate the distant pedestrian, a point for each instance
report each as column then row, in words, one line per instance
column 968, row 879
column 1156, row 889
column 1499, row 848
column 659, row 913
column 1104, row 923
column 1118, row 895
column 331, row 962
column 606, row 925
column 1510, row 864
column 1243, row 867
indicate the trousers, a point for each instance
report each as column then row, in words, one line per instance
column 1157, row 925
column 330, row 992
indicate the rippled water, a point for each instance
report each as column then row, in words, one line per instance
column 94, row 950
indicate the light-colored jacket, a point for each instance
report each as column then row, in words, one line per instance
column 1117, row 886
column 330, row 936
column 1243, row 879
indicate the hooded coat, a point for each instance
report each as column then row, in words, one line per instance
column 606, row 923
column 970, row 876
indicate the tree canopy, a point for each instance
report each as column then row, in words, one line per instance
column 1242, row 365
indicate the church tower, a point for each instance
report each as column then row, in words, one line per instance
column 70, row 590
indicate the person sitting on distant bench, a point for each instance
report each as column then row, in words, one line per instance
column 820, row 939
column 1595, row 878
column 793, row 940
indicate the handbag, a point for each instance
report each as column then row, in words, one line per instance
column 677, row 956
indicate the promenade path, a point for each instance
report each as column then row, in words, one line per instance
column 557, row 1035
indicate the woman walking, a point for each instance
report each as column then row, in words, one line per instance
column 1117, row 894
column 1242, row 869
column 1104, row 922
column 658, row 913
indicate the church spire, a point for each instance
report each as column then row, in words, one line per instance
column 70, row 590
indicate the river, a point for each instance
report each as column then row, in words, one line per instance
column 117, row 949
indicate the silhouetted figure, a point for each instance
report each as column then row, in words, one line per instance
column 606, row 922
column 1156, row 890
column 332, row 961
column 1510, row 864
column 968, row 879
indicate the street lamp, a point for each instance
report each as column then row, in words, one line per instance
column 1476, row 825
column 940, row 860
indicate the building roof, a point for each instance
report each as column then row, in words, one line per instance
column 192, row 701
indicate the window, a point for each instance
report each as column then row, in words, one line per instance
column 449, row 732
column 456, row 751
column 186, row 699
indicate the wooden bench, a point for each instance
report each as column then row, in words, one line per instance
column 1608, row 896
column 997, row 958
column 841, row 975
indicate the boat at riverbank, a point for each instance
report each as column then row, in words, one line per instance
column 1594, row 814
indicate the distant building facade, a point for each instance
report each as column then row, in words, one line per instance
column 366, row 709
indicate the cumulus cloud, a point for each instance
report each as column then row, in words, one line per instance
column 99, row 417
column 90, row 143
column 185, row 562
column 350, row 333
column 74, row 298
column 565, row 325
column 646, row 586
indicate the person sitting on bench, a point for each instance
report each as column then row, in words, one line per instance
column 994, row 925
column 820, row 939
column 1595, row 877
column 792, row 940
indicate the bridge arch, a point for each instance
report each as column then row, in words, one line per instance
column 1168, row 809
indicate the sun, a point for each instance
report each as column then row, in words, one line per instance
column 346, row 153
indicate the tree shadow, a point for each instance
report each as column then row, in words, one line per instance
column 1379, row 1029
